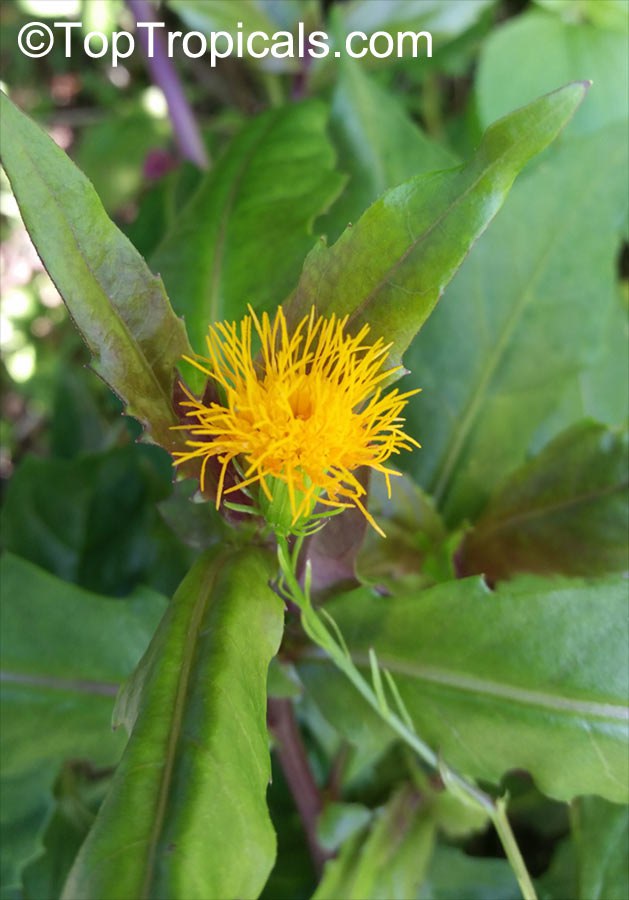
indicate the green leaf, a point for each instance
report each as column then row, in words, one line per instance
column 444, row 21
column 571, row 51
column 565, row 511
column 601, row 392
column 340, row 821
column 415, row 545
column 389, row 861
column 59, row 703
column 243, row 236
column 533, row 676
column 605, row 13
column 78, row 792
column 82, row 413
column 601, row 834
column 221, row 15
column 93, row 521
column 63, row 654
column 390, row 268
column 26, row 804
column 378, row 145
column 528, row 316
column 235, row 17
column 124, row 138
column 453, row 875
column 186, row 815
column 119, row 307
column 559, row 879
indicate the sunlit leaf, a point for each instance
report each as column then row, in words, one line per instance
column 534, row 676
column 118, row 305
column 392, row 266
column 186, row 814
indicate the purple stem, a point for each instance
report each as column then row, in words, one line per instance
column 165, row 76
column 294, row 762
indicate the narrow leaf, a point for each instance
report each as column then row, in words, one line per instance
column 186, row 815
column 243, row 235
column 379, row 146
column 119, row 307
column 388, row 860
column 390, row 269
column 565, row 511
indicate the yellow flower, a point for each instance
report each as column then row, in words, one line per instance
column 299, row 419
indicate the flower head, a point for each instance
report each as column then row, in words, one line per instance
column 300, row 418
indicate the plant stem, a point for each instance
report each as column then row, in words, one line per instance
column 294, row 762
column 331, row 641
column 502, row 826
column 164, row 75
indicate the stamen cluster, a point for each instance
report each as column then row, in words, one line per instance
column 303, row 415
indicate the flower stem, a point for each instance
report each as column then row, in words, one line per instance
column 164, row 75
column 294, row 762
column 329, row 638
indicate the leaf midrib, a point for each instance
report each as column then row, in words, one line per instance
column 539, row 512
column 466, row 421
column 471, row 684
column 56, row 683
column 140, row 356
column 183, row 686
column 225, row 215
column 437, row 222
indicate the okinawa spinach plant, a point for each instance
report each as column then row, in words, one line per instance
column 413, row 601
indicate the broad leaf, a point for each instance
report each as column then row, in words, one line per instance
column 534, row 676
column 243, row 236
column 93, row 521
column 570, row 50
column 528, row 316
column 565, row 511
column 379, row 146
column 186, row 815
column 601, row 391
column 610, row 14
column 601, row 836
column 120, row 308
column 390, row 269
column 64, row 652
column 78, row 792
column 59, row 703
